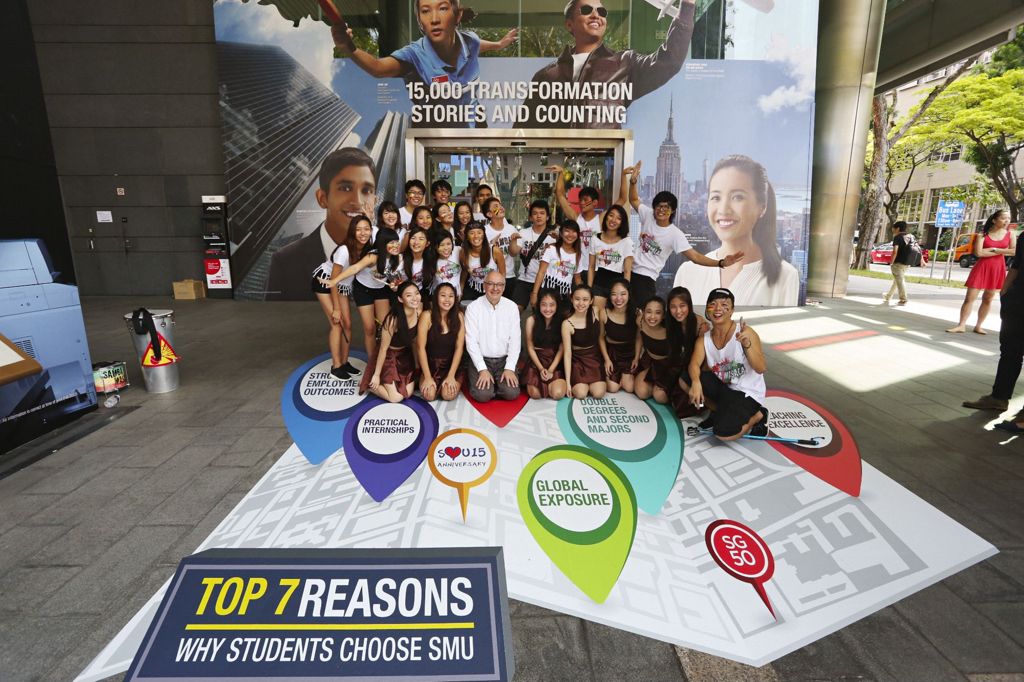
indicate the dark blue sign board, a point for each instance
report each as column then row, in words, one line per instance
column 332, row 614
column 949, row 213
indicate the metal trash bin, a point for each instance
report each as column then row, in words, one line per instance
column 159, row 367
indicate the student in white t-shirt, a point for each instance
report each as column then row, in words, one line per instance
column 415, row 193
column 611, row 255
column 504, row 237
column 561, row 266
column 587, row 217
column 659, row 239
column 534, row 238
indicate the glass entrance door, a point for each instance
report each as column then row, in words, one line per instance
column 519, row 176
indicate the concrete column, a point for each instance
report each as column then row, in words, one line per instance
column 849, row 36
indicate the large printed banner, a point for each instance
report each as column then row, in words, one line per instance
column 718, row 96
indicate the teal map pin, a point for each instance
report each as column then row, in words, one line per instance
column 581, row 510
column 643, row 438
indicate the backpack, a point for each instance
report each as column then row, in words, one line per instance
column 916, row 256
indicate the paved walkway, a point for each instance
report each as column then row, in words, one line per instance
column 90, row 532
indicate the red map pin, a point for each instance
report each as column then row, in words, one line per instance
column 741, row 553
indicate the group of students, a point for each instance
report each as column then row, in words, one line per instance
column 441, row 290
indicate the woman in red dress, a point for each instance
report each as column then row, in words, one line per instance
column 995, row 241
column 394, row 364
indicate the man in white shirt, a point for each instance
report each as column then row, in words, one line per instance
column 493, row 343
column 659, row 239
column 587, row 218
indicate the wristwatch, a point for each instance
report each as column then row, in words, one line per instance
column 721, row 262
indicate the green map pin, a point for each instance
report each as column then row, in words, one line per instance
column 581, row 510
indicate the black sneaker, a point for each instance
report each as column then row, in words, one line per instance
column 761, row 427
column 340, row 373
column 708, row 423
column 350, row 369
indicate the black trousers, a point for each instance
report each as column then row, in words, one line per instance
column 641, row 288
column 733, row 408
column 1011, row 351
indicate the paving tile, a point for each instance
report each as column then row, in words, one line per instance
column 550, row 649
column 619, row 655
column 23, row 589
column 94, row 495
column 21, row 542
column 984, row 583
column 179, row 469
column 828, row 658
column 892, row 650
column 195, row 537
column 1008, row 616
column 16, row 508
column 196, row 499
column 30, row 644
column 90, row 591
column 965, row 637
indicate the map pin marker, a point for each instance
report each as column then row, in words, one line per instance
column 643, row 438
column 740, row 552
column 316, row 405
column 462, row 459
column 581, row 510
column 385, row 442
column 834, row 458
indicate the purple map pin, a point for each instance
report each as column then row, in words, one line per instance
column 385, row 442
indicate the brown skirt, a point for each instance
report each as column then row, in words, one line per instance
column 439, row 368
column 587, row 366
column 664, row 373
column 531, row 375
column 621, row 355
column 399, row 368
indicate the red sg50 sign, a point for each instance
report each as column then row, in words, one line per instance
column 741, row 553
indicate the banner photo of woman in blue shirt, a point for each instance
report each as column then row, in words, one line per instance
column 435, row 67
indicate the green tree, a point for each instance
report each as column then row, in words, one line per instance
column 985, row 112
column 887, row 135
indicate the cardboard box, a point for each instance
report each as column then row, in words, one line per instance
column 189, row 290
column 109, row 377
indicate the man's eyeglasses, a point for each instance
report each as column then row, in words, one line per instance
column 414, row 193
column 497, row 285
column 585, row 11
column 662, row 207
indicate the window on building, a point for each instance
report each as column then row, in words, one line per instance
column 948, row 153
column 909, row 208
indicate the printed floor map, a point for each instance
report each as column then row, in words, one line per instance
column 617, row 483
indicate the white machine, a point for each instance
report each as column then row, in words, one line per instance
column 45, row 369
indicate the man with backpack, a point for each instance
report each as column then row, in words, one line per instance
column 905, row 253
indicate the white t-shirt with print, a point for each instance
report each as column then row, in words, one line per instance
column 656, row 244
column 526, row 239
column 562, row 266
column 502, row 238
column 611, row 257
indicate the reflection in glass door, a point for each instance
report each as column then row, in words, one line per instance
column 520, row 175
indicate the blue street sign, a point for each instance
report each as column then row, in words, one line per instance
column 949, row 213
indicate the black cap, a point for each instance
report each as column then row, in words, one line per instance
column 721, row 292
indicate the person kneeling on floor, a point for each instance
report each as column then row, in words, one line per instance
column 727, row 373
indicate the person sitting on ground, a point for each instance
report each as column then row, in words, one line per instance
column 394, row 364
column 727, row 373
column 439, row 343
column 542, row 370
column 618, row 343
column 493, row 343
column 581, row 347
